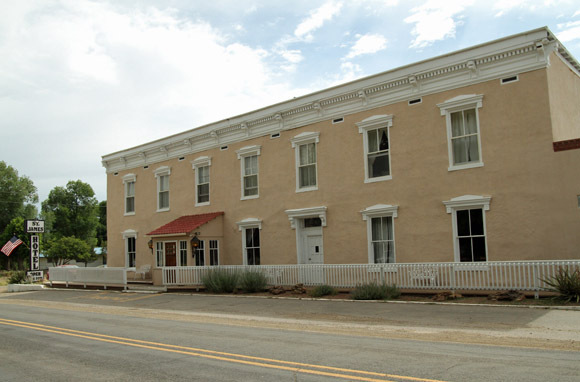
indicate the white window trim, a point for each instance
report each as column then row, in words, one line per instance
column 243, row 153
column 466, row 202
column 459, row 103
column 126, row 180
column 129, row 233
column 203, row 161
column 379, row 211
column 373, row 123
column 160, row 247
column 297, row 141
column 161, row 171
column 242, row 227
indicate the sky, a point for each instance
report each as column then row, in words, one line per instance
column 80, row 79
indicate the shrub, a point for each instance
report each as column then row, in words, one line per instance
column 220, row 281
column 253, row 281
column 17, row 277
column 566, row 284
column 374, row 291
column 323, row 290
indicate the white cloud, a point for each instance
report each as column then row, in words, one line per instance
column 504, row 6
column 366, row 44
column 570, row 31
column 435, row 20
column 317, row 19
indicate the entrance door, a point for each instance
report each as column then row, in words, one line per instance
column 170, row 255
column 314, row 253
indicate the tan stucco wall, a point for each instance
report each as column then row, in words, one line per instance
column 564, row 90
column 533, row 211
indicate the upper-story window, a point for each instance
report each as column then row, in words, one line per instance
column 129, row 183
column 201, row 166
column 249, row 167
column 463, row 133
column 162, row 174
column 469, row 232
column 305, row 145
column 377, row 160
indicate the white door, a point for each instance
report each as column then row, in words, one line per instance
column 314, row 253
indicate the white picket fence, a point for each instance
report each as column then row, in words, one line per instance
column 89, row 275
column 485, row 276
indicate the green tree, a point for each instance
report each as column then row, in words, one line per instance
column 20, row 257
column 72, row 211
column 17, row 196
column 102, row 228
column 64, row 249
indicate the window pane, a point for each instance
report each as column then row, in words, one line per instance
column 130, row 205
column 251, row 181
column 463, row 223
column 303, row 154
column 476, row 222
column 378, row 165
column 459, row 150
column 256, row 236
column 472, row 149
column 164, row 183
column 457, row 124
column 470, row 121
column 373, row 141
column 465, row 250
column 388, row 226
column 380, row 252
column 131, row 189
column 376, row 228
column 479, row 249
column 384, row 142
column 164, row 199
column 307, row 176
column 203, row 175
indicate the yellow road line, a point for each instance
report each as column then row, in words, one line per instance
column 216, row 355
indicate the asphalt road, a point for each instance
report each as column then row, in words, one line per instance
column 66, row 335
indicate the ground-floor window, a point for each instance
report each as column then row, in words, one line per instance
column 214, row 252
column 131, row 252
column 382, row 240
column 159, row 251
column 183, row 253
column 471, row 235
column 252, row 246
column 199, row 254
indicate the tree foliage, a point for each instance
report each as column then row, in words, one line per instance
column 20, row 256
column 64, row 249
column 102, row 226
column 17, row 196
column 72, row 211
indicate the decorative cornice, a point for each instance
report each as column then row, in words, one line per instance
column 312, row 212
column 515, row 54
column 467, row 201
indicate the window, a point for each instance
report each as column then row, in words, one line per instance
column 201, row 166
column 182, row 253
column 305, row 145
column 130, row 237
column 380, row 232
column 160, row 254
column 200, row 254
column 129, row 182
column 377, row 160
column 250, row 240
column 249, row 160
column 162, row 175
column 469, row 233
column 214, row 252
column 463, row 133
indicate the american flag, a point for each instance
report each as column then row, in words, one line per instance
column 11, row 245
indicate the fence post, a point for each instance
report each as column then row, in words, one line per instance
column 536, row 287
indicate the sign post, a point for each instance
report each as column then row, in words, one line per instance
column 35, row 226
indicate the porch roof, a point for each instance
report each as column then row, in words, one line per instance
column 184, row 224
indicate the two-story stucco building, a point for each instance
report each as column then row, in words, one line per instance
column 468, row 157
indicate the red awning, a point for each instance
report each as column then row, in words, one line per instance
column 184, row 224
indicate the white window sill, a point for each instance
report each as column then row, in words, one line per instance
column 163, row 210
column 129, row 213
column 306, row 189
column 378, row 179
column 202, row 204
column 249, row 197
column 465, row 166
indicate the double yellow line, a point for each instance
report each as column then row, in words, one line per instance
column 295, row 367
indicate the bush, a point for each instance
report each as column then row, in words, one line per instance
column 374, row 291
column 253, row 281
column 323, row 290
column 220, row 281
column 17, row 277
column 566, row 284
